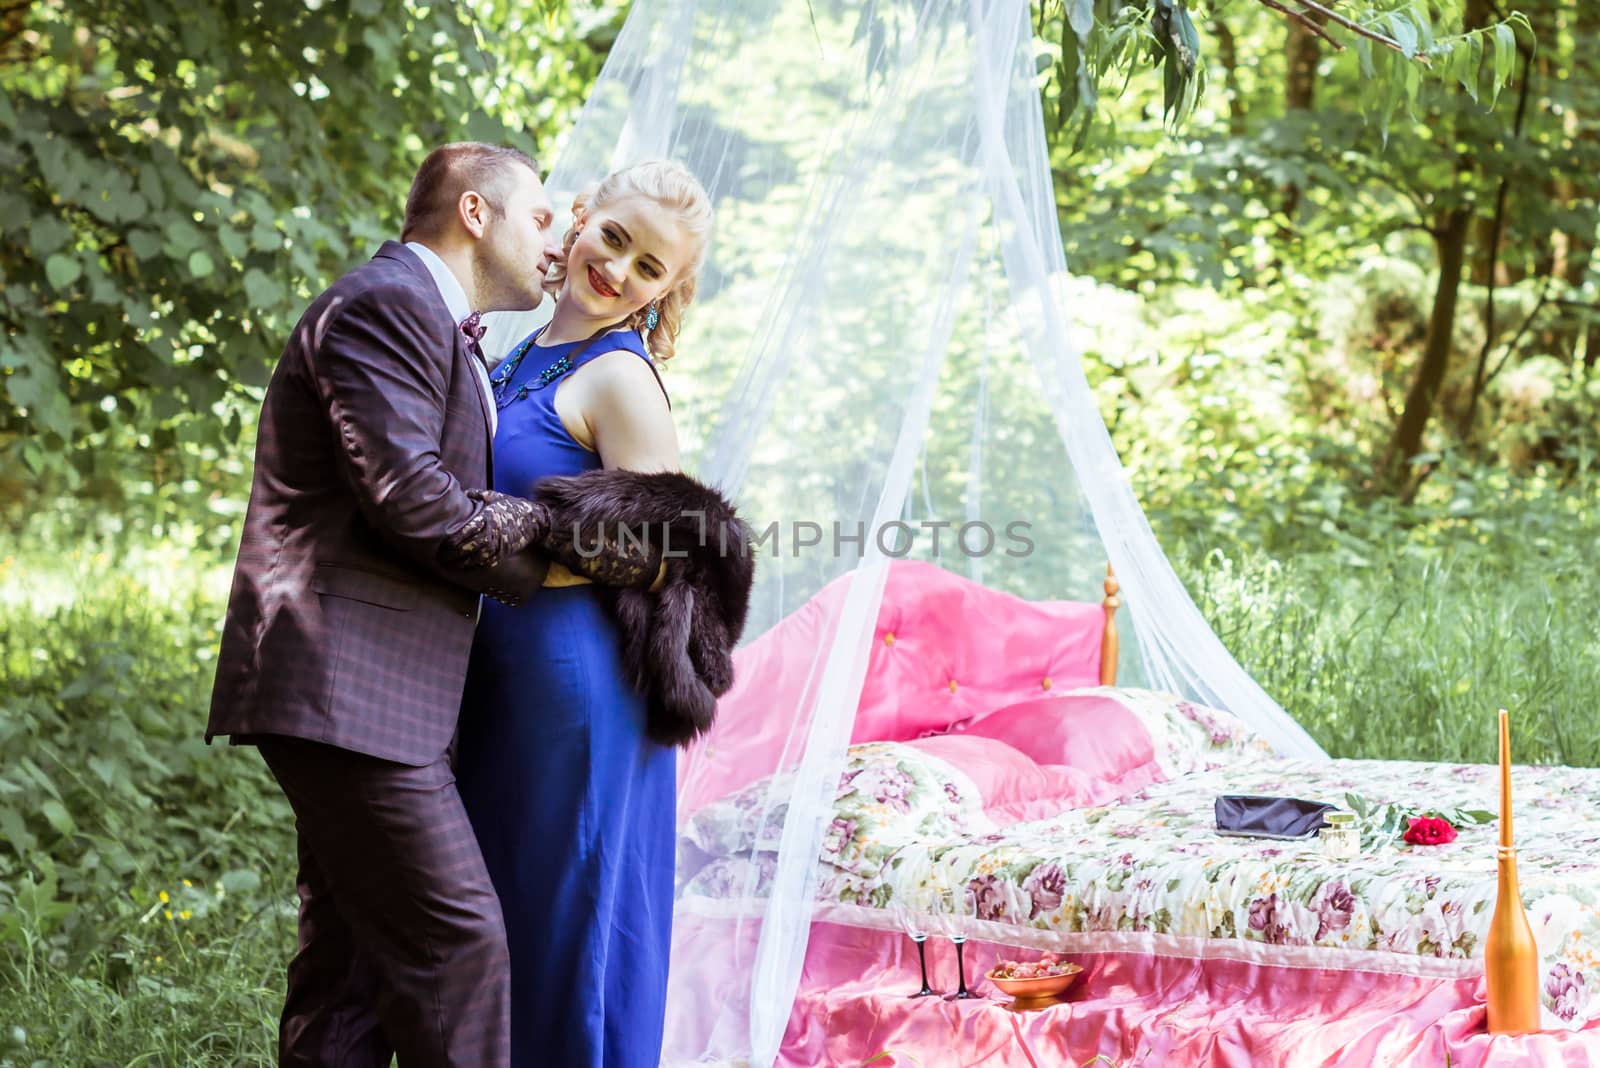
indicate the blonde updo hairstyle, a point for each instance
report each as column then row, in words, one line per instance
column 670, row 185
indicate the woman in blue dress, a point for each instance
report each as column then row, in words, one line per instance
column 571, row 801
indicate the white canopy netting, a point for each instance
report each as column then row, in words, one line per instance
column 881, row 346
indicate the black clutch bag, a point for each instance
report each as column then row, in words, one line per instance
column 1286, row 818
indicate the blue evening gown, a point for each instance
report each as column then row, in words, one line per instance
column 572, row 803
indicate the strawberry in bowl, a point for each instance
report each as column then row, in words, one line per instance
column 1033, row 984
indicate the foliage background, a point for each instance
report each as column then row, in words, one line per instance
column 1265, row 292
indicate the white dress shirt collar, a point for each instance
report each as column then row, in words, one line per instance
column 455, row 298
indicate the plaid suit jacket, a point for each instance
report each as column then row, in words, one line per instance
column 342, row 627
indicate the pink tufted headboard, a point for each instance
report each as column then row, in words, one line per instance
column 945, row 649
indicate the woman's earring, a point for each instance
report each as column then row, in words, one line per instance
column 651, row 318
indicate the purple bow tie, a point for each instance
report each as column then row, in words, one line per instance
column 472, row 329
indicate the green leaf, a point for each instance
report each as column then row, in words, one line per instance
column 1505, row 50
column 261, row 290
column 1080, row 16
column 47, row 234
column 58, row 816
column 381, row 44
column 241, row 881
column 233, row 242
column 1467, row 65
column 33, row 457
column 15, row 831
column 1404, row 32
column 1364, row 53
column 62, row 270
column 200, row 265
column 129, row 206
column 266, row 237
column 1396, row 87
column 146, row 244
column 1067, row 75
column 184, row 237
column 1505, row 59
column 151, row 188
column 1419, row 19
column 105, row 770
column 82, row 686
column 65, row 175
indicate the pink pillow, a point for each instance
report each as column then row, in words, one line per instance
column 1092, row 734
column 1012, row 786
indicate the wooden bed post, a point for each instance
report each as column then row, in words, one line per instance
column 1108, row 639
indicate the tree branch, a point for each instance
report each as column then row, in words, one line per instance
column 1349, row 24
column 1311, row 25
column 1511, row 346
column 1496, row 235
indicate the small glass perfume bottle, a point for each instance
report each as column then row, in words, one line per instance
column 1341, row 838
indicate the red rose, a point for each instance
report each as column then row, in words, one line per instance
column 1429, row 830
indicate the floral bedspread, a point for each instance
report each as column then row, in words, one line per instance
column 904, row 822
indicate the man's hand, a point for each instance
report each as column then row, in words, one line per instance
column 504, row 526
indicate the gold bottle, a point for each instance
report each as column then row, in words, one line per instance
column 1510, row 955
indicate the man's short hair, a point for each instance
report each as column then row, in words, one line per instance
column 453, row 169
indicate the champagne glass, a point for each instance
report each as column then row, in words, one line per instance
column 957, row 907
column 911, row 912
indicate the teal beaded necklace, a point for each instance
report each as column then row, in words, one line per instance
column 503, row 374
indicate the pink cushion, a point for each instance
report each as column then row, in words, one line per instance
column 1005, row 777
column 1012, row 786
column 1092, row 734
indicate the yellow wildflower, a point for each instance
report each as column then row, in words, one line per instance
column 163, row 896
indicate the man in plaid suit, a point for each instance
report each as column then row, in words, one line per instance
column 352, row 612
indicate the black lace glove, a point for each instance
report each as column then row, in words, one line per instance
column 609, row 554
column 504, row 526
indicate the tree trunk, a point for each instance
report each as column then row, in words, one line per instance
column 1583, row 126
column 1303, row 51
column 1228, row 52
column 1450, row 231
column 1507, row 269
column 1451, row 245
column 1551, row 23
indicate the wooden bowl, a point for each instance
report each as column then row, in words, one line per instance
column 1036, row 993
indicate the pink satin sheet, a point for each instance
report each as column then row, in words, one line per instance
column 1143, row 1009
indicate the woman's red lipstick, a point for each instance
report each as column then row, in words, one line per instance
column 599, row 285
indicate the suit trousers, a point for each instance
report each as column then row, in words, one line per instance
column 402, row 947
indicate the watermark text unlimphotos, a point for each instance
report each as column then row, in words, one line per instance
column 895, row 539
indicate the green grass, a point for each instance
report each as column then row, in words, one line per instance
column 1410, row 655
column 108, row 799
column 146, row 902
